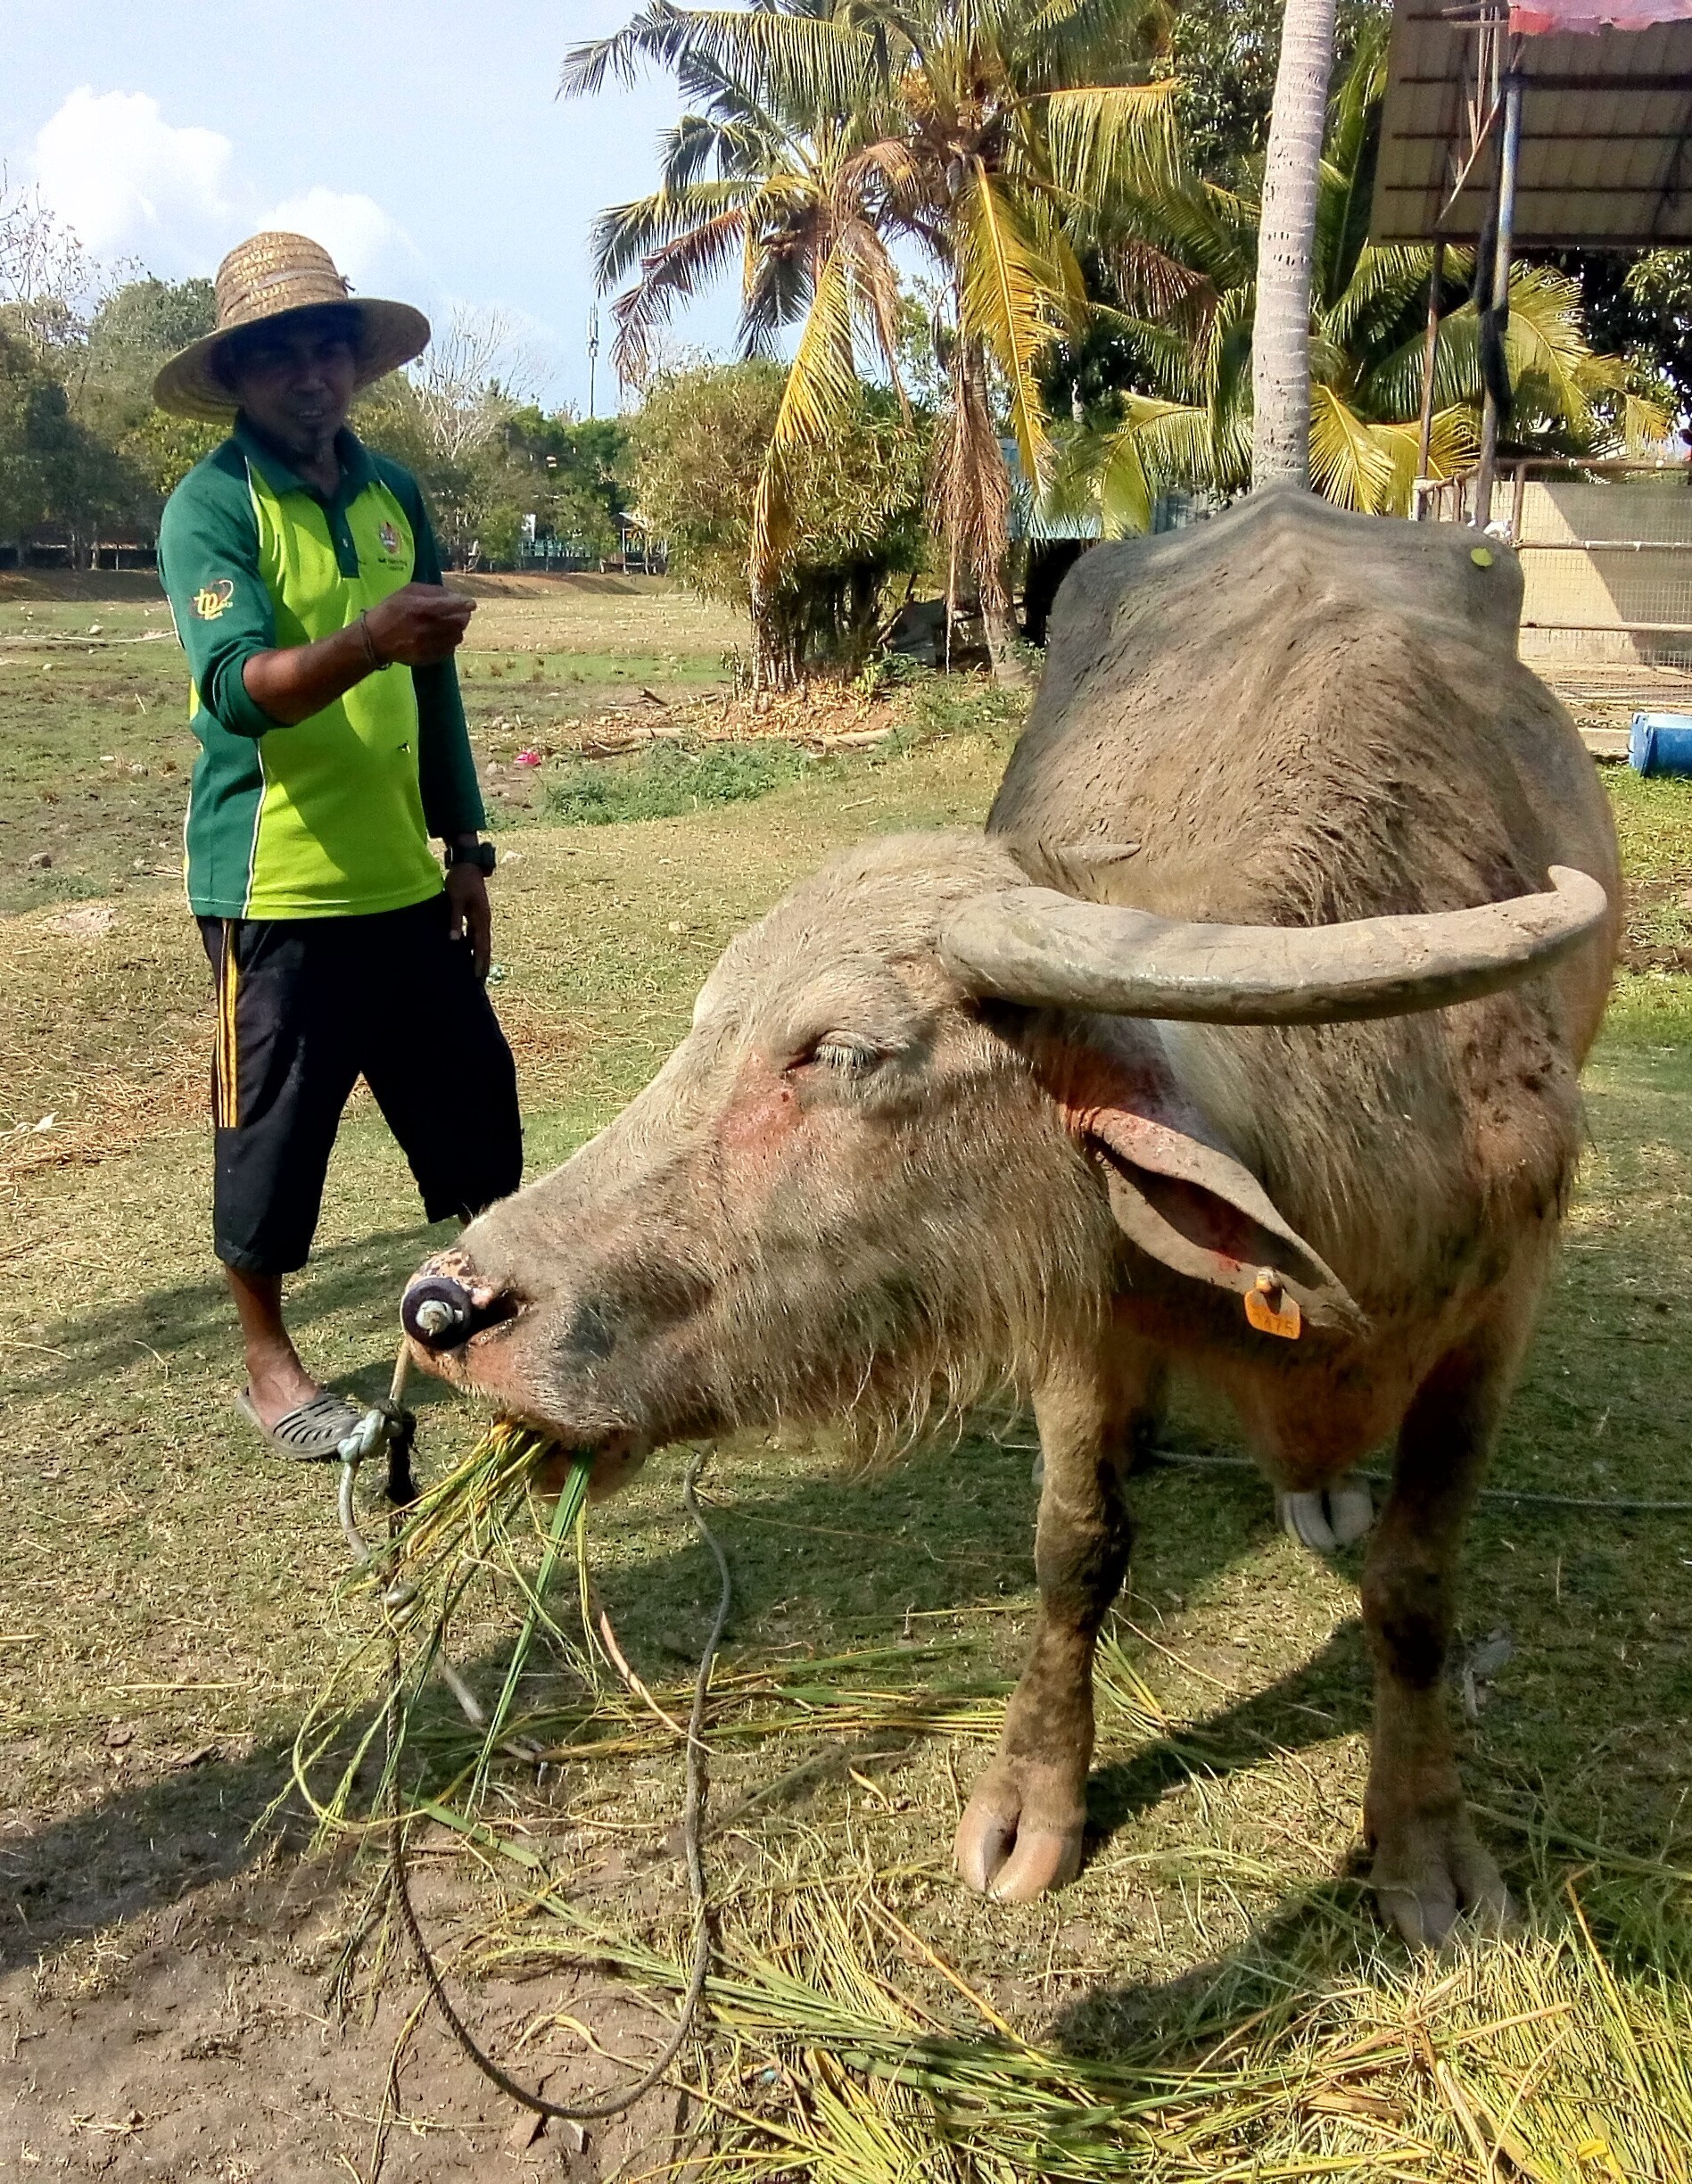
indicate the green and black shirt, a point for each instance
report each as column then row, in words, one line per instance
column 331, row 817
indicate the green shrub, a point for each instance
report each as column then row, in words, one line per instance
column 670, row 780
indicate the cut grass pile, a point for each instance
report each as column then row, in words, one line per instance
column 842, row 2042
column 1535, row 2059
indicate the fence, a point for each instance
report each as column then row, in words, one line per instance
column 1606, row 562
column 638, row 553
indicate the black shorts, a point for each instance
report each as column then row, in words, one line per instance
column 308, row 1006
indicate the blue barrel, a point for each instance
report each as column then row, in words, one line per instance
column 1660, row 743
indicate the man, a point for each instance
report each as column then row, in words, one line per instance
column 305, row 582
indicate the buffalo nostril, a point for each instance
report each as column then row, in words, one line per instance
column 439, row 1312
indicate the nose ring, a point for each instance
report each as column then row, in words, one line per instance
column 438, row 1312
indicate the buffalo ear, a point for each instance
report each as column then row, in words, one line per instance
column 1176, row 1194
column 1202, row 1214
column 1087, row 870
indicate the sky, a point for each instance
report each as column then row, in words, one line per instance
column 421, row 144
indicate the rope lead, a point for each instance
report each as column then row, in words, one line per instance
column 387, row 1425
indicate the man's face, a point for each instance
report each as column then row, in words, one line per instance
column 295, row 380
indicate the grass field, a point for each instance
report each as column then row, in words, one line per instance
column 173, row 1600
column 95, row 747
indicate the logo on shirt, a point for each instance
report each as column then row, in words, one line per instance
column 210, row 600
column 390, row 538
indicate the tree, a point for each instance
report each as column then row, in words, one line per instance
column 988, row 136
column 445, row 418
column 568, row 474
column 22, row 502
column 109, row 378
column 470, row 379
column 697, row 452
column 1641, row 306
column 1223, row 56
column 46, row 275
column 1286, row 236
column 1185, row 419
column 53, row 469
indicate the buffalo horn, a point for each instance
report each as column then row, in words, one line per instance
column 1035, row 946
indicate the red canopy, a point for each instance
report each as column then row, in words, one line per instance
column 1539, row 17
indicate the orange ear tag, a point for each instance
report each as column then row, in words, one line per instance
column 1270, row 1310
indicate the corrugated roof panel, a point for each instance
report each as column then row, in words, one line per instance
column 1605, row 119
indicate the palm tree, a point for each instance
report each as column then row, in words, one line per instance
column 1188, row 422
column 991, row 137
column 1286, row 235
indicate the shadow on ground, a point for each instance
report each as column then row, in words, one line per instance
column 1591, row 1726
column 357, row 1282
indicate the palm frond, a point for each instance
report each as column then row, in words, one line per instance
column 775, row 291
column 1348, row 154
column 1385, row 282
column 668, row 275
column 1546, row 347
column 1008, row 301
column 821, row 388
column 653, row 38
column 798, row 63
column 1641, row 425
column 1098, row 142
column 626, row 234
column 1116, row 475
column 732, row 145
column 971, row 487
column 1351, row 460
column 875, row 294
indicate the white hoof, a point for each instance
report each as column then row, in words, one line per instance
column 1336, row 1517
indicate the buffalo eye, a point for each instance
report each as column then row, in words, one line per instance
column 843, row 1054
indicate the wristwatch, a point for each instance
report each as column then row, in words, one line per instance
column 477, row 853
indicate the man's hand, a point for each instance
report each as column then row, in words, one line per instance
column 472, row 918
column 416, row 627
column 419, row 623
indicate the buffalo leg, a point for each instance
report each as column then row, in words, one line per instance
column 1429, row 1864
column 1022, row 1831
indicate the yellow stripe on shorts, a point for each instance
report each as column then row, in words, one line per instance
column 225, row 1106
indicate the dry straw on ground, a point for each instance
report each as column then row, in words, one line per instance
column 839, row 2045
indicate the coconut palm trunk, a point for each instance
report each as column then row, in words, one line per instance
column 1286, row 240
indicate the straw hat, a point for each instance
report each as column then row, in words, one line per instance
column 269, row 277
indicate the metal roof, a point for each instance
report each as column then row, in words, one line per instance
column 1606, row 115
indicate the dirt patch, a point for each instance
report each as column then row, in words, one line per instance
column 1657, row 935
column 207, row 2040
column 127, row 587
column 84, row 922
column 612, row 584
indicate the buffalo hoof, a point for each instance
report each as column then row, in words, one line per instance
column 1430, row 1873
column 1336, row 1517
column 1020, row 1833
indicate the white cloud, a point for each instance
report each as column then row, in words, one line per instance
column 134, row 185
column 128, row 183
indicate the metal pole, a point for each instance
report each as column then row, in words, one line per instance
column 1425, row 444
column 593, row 354
column 1498, row 306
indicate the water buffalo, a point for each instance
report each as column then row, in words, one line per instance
column 1246, row 1036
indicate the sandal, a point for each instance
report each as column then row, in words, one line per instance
column 312, row 1434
